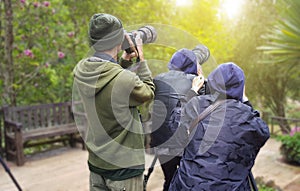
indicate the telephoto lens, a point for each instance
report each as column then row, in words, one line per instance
column 202, row 53
column 148, row 35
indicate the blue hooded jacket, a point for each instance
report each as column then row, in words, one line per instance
column 222, row 149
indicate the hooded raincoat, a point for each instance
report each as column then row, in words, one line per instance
column 222, row 149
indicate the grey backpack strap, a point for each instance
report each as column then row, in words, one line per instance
column 202, row 115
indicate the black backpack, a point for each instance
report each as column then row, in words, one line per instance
column 175, row 115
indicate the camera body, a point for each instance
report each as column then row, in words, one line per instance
column 148, row 35
column 204, row 90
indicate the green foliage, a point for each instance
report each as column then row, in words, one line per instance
column 42, row 148
column 257, row 17
column 201, row 20
column 290, row 148
column 262, row 185
column 274, row 98
column 281, row 46
column 50, row 37
column 265, row 188
column 47, row 47
column 284, row 38
column 293, row 109
column 267, row 85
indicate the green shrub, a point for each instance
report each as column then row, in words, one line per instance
column 263, row 185
column 265, row 188
column 290, row 146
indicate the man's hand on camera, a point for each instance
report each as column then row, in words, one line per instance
column 133, row 54
column 198, row 82
column 136, row 50
column 139, row 46
column 127, row 56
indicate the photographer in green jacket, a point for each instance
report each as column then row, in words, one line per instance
column 110, row 93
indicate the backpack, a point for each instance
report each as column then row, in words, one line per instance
column 174, row 120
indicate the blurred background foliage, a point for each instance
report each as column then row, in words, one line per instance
column 50, row 37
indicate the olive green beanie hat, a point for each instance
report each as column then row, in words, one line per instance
column 105, row 31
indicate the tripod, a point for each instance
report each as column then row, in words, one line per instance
column 10, row 174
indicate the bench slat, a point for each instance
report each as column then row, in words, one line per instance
column 49, row 132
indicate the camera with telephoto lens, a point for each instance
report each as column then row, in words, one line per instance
column 147, row 33
column 202, row 53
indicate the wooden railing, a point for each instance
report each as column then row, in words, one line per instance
column 285, row 124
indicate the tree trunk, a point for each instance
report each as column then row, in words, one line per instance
column 280, row 111
column 1, row 48
column 8, row 66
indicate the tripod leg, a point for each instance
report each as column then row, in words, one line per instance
column 150, row 170
column 10, row 174
column 252, row 181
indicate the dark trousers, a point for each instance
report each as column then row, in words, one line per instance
column 169, row 165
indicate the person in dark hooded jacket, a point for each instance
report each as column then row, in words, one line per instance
column 170, row 87
column 222, row 148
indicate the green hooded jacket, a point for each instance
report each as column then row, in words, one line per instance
column 110, row 95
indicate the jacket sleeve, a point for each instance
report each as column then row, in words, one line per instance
column 143, row 89
column 190, row 94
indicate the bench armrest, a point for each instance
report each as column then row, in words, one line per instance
column 15, row 126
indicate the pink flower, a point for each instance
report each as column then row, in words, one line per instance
column 28, row 53
column 23, row 1
column 71, row 34
column 60, row 54
column 47, row 64
column 23, row 37
column 36, row 4
column 294, row 130
column 46, row 3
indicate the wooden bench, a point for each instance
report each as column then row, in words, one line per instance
column 28, row 126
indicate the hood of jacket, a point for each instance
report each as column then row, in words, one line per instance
column 227, row 80
column 88, row 72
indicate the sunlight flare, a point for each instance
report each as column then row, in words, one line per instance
column 232, row 8
column 183, row 2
